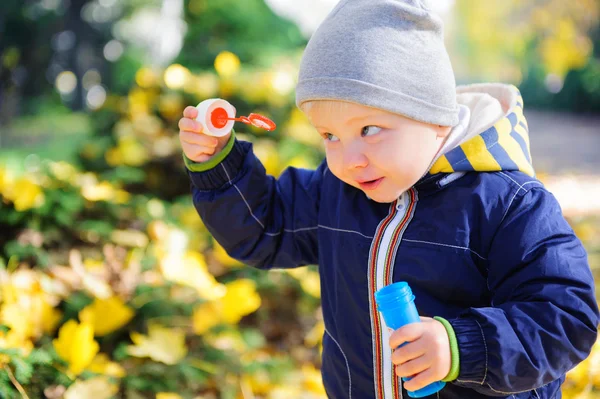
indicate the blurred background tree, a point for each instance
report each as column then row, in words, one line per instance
column 550, row 49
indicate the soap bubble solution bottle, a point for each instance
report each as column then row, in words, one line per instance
column 396, row 303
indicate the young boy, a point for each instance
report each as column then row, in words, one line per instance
column 425, row 183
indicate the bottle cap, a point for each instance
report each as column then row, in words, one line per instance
column 210, row 115
column 399, row 292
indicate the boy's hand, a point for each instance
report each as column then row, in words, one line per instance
column 196, row 145
column 426, row 357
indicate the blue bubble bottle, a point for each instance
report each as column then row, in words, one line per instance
column 396, row 303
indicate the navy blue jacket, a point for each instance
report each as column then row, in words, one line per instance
column 488, row 251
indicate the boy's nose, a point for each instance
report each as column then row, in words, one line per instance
column 354, row 158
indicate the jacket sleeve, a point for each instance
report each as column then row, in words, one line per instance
column 544, row 316
column 259, row 220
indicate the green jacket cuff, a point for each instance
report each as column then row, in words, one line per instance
column 455, row 365
column 214, row 161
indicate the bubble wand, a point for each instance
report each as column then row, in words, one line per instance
column 217, row 117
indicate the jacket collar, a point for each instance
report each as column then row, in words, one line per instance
column 432, row 183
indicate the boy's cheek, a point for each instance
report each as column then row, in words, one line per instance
column 333, row 163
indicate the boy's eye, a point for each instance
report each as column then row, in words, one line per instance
column 330, row 137
column 370, row 130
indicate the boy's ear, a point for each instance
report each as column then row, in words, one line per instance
column 443, row 131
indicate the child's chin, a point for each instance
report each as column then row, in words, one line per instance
column 382, row 198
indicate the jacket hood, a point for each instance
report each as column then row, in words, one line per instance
column 492, row 134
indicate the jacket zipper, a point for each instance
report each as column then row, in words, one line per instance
column 387, row 241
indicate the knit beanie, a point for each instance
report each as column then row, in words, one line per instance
column 386, row 54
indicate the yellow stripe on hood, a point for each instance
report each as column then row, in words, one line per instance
column 504, row 146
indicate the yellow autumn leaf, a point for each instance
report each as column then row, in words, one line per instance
column 284, row 392
column 191, row 270
column 31, row 315
column 25, row 194
column 129, row 238
column 240, row 300
column 313, row 381
column 13, row 316
column 161, row 344
column 98, row 191
column 97, row 287
column 228, row 340
column 309, row 280
column 75, row 345
column 259, row 382
column 311, row 283
column 266, row 151
column 13, row 340
column 315, row 335
column 227, row 64
column 63, row 171
column 300, row 161
column 4, row 179
column 205, row 317
column 106, row 315
column 103, row 365
column 94, row 388
column 223, row 257
column 168, row 395
column 145, row 77
column 48, row 317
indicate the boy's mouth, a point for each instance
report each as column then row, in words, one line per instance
column 370, row 184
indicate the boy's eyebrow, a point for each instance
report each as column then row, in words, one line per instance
column 360, row 117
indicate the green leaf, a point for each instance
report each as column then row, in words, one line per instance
column 39, row 356
column 6, row 388
column 23, row 370
column 100, row 227
column 63, row 217
column 74, row 303
column 120, row 353
column 253, row 338
column 10, row 351
column 125, row 174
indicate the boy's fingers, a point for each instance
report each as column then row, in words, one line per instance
column 414, row 366
column 420, row 380
column 190, row 112
column 205, row 151
column 195, row 151
column 190, row 125
column 408, row 352
column 407, row 333
column 198, row 139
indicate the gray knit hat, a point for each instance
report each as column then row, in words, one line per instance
column 387, row 54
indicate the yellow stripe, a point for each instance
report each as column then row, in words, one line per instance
column 512, row 148
column 441, row 166
column 478, row 155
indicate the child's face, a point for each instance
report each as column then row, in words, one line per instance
column 378, row 152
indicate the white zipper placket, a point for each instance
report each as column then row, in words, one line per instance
column 381, row 256
column 402, row 206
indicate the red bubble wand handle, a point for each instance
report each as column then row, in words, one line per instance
column 219, row 119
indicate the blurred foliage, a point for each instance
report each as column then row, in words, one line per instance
column 111, row 278
column 110, row 285
column 102, row 290
column 550, row 49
